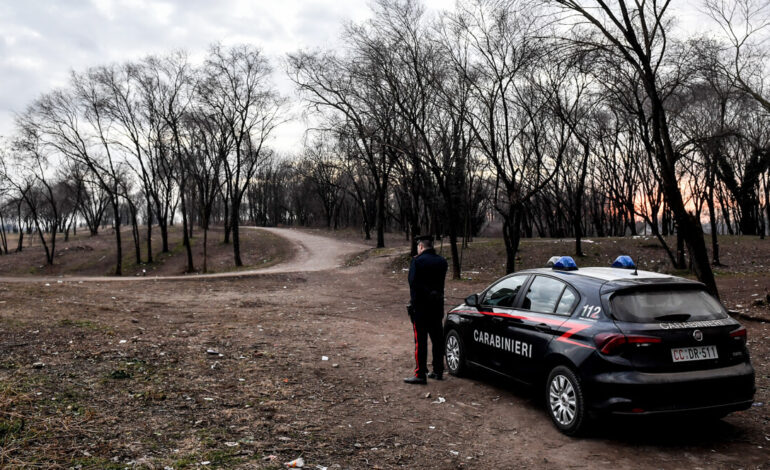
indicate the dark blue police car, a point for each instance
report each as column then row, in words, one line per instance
column 605, row 341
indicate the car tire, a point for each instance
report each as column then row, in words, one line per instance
column 564, row 401
column 710, row 417
column 454, row 352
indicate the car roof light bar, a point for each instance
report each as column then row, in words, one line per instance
column 565, row 263
column 624, row 262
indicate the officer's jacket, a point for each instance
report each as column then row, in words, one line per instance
column 426, row 283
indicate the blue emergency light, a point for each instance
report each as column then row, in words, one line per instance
column 565, row 263
column 624, row 262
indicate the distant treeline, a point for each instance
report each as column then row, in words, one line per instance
column 560, row 118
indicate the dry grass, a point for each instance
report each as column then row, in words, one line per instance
column 95, row 256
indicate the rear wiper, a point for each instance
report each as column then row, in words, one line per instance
column 674, row 317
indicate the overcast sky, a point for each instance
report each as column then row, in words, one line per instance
column 43, row 40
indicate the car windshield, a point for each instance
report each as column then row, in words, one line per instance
column 666, row 306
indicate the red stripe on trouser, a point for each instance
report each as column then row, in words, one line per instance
column 416, row 357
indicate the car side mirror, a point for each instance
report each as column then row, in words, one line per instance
column 472, row 300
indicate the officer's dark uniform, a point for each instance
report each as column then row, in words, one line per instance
column 426, row 285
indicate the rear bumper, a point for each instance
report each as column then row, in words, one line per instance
column 703, row 410
column 720, row 390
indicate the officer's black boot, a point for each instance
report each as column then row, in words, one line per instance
column 416, row 380
column 436, row 375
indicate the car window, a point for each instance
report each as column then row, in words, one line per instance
column 666, row 306
column 503, row 294
column 566, row 302
column 543, row 295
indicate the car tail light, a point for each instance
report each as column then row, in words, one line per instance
column 608, row 343
column 612, row 343
column 740, row 334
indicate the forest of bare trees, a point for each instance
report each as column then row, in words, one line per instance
column 551, row 118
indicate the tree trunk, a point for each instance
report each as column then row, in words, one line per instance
column 511, row 237
column 414, row 223
column 118, row 242
column 135, row 233
column 680, row 261
column 163, row 225
column 381, row 215
column 456, row 268
column 186, row 235
column 692, row 234
column 747, row 223
column 191, row 223
column 631, row 221
column 68, row 226
column 205, row 248
column 725, row 212
column 227, row 216
column 149, row 232
column 236, row 236
column 367, row 228
column 48, row 254
column 20, row 242
column 713, row 225
column 3, row 236
column 577, row 210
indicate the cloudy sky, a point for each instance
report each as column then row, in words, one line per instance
column 41, row 41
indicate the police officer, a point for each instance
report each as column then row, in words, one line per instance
column 426, row 309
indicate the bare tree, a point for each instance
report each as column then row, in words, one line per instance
column 746, row 26
column 346, row 91
column 236, row 85
column 31, row 172
column 174, row 84
column 498, row 47
column 73, row 124
column 637, row 35
column 321, row 165
column 207, row 142
column 430, row 102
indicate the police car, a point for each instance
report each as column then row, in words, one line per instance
column 605, row 340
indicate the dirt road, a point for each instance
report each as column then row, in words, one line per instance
column 251, row 372
column 311, row 253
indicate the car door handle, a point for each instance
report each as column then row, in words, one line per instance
column 542, row 327
column 497, row 319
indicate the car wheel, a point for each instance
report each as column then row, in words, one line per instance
column 564, row 401
column 454, row 353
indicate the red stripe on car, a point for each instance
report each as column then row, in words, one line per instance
column 574, row 327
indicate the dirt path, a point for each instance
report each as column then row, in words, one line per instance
column 312, row 253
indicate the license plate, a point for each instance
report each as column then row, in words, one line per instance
column 698, row 353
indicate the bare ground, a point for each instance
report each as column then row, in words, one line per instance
column 85, row 255
column 117, row 374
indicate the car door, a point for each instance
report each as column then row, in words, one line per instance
column 541, row 310
column 496, row 307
